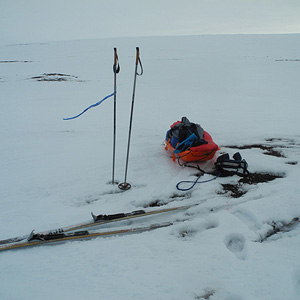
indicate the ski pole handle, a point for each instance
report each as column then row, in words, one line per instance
column 137, row 55
column 116, row 66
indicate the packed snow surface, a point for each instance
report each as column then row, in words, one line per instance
column 242, row 89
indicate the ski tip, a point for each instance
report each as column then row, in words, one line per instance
column 30, row 236
column 94, row 217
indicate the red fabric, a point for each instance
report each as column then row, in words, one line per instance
column 206, row 147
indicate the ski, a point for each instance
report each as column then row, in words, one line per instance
column 13, row 240
column 99, row 220
column 37, row 239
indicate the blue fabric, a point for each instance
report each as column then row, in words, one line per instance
column 174, row 142
column 167, row 134
column 93, row 105
column 186, row 144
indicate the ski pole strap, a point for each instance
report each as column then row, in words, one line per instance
column 116, row 66
column 138, row 62
column 91, row 106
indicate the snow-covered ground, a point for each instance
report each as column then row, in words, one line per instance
column 243, row 89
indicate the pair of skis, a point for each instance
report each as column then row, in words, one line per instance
column 116, row 69
column 83, row 231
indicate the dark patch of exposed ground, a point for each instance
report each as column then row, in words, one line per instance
column 158, row 202
column 55, row 77
column 236, row 190
column 280, row 226
column 206, row 296
column 268, row 150
column 14, row 61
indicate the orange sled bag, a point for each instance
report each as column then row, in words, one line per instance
column 189, row 142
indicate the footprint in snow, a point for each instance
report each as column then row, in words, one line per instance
column 236, row 243
column 296, row 279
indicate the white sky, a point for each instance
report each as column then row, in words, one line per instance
column 25, row 21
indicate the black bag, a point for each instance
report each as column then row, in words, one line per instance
column 230, row 167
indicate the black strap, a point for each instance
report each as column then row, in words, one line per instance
column 141, row 67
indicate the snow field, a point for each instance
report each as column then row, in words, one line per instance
column 243, row 89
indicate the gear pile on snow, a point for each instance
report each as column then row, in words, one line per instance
column 190, row 142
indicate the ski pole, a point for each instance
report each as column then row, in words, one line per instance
column 125, row 185
column 116, row 70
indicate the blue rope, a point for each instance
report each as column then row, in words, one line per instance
column 93, row 105
column 194, row 183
